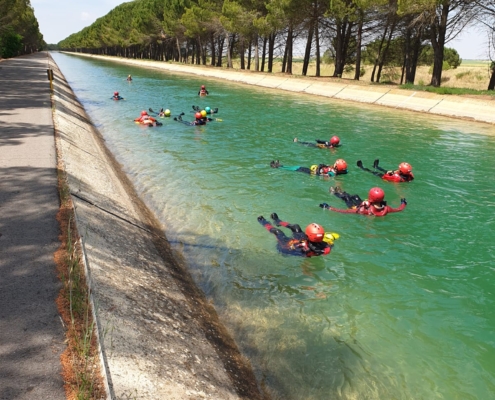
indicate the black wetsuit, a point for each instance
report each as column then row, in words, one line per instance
column 298, row 244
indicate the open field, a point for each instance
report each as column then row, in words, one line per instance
column 471, row 74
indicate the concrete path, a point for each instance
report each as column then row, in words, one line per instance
column 31, row 333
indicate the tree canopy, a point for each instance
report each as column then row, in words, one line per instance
column 381, row 32
column 19, row 30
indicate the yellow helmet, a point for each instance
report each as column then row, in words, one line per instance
column 330, row 237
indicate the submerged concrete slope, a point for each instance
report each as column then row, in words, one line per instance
column 151, row 320
column 477, row 109
column 31, row 332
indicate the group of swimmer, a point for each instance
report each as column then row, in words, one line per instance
column 314, row 241
column 201, row 116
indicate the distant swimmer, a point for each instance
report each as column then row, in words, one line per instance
column 374, row 205
column 203, row 91
column 116, row 96
column 322, row 144
column 129, row 78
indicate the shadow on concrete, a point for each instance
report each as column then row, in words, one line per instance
column 30, row 329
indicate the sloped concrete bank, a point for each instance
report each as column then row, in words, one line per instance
column 477, row 109
column 160, row 338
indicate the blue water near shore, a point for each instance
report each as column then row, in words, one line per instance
column 403, row 307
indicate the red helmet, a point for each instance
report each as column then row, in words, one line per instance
column 143, row 113
column 334, row 140
column 315, row 232
column 115, row 93
column 340, row 165
column 405, row 168
column 376, row 195
column 202, row 86
column 198, row 115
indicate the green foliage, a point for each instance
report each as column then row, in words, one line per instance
column 390, row 75
column 328, row 57
column 10, row 43
column 394, row 57
column 451, row 56
column 445, row 67
column 19, row 30
column 136, row 22
column 395, row 54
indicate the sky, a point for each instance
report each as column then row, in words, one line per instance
column 60, row 18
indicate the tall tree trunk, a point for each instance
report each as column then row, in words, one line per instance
column 491, row 84
column 230, row 49
column 344, row 29
column 242, row 50
column 415, row 56
column 385, row 52
column 307, row 53
column 221, row 41
column 249, row 55
column 256, row 53
column 317, row 41
column 438, row 32
column 263, row 54
column 284, row 59
column 359, row 40
column 213, row 49
column 379, row 53
column 271, row 49
column 290, row 42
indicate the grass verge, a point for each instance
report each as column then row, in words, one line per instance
column 448, row 90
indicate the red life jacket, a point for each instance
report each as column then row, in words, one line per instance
column 396, row 176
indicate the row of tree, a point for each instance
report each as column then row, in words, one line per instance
column 19, row 30
column 385, row 32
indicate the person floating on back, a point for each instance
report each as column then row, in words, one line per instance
column 402, row 174
column 203, row 91
column 322, row 144
column 338, row 168
column 164, row 113
column 116, row 96
column 208, row 110
column 146, row 119
column 374, row 205
column 199, row 120
column 312, row 242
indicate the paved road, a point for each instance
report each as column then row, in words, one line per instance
column 31, row 334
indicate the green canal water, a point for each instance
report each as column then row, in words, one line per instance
column 403, row 307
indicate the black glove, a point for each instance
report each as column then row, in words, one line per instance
column 403, row 201
column 324, row 205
